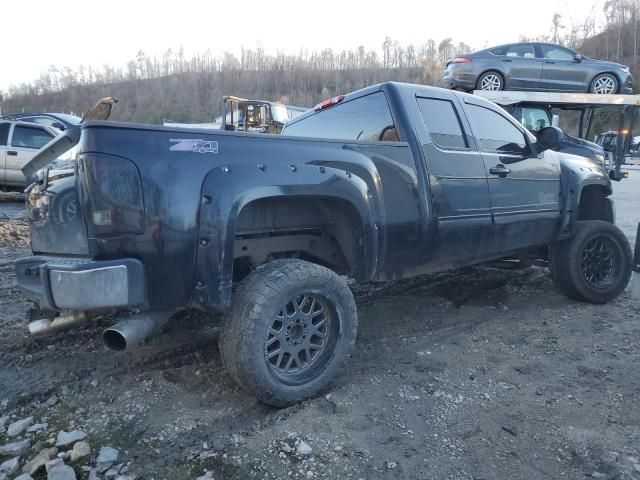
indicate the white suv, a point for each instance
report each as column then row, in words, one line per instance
column 19, row 142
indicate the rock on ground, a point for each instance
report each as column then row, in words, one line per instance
column 15, row 448
column 107, row 457
column 10, row 466
column 40, row 460
column 57, row 470
column 206, row 476
column 37, row 427
column 24, row 476
column 67, row 438
column 79, row 450
column 16, row 428
column 303, row 449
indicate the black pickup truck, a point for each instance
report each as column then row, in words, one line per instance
column 387, row 182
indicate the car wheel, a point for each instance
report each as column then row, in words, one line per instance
column 603, row 84
column 490, row 81
column 594, row 265
column 290, row 330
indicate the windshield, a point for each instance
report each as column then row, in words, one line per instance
column 534, row 119
column 279, row 113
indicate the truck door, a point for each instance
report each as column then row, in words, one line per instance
column 524, row 188
column 457, row 179
column 24, row 143
column 4, row 137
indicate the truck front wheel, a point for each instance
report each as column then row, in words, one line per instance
column 291, row 328
column 594, row 265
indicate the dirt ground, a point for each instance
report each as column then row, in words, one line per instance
column 476, row 374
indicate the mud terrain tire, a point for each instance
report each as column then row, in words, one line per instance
column 290, row 330
column 594, row 265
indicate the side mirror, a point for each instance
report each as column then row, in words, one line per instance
column 578, row 57
column 58, row 125
column 549, row 138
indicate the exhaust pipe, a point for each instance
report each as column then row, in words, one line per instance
column 134, row 330
column 45, row 326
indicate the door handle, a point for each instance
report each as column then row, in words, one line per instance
column 13, row 153
column 505, row 60
column 550, row 62
column 500, row 170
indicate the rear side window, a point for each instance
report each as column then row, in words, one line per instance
column 499, row 51
column 4, row 133
column 29, row 137
column 496, row 133
column 521, row 50
column 442, row 122
column 365, row 118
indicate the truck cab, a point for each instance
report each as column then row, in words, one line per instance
column 19, row 143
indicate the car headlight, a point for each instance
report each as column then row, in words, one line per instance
column 624, row 69
column 600, row 158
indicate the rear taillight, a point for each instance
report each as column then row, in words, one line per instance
column 329, row 103
column 114, row 196
column 460, row 60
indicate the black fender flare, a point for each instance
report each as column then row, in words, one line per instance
column 227, row 189
column 574, row 181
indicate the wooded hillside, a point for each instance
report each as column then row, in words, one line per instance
column 172, row 86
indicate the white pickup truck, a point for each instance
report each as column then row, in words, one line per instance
column 19, row 142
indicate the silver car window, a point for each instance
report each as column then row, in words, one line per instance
column 521, row 50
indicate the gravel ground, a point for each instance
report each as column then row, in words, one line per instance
column 476, row 374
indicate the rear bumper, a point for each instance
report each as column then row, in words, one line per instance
column 57, row 283
column 458, row 78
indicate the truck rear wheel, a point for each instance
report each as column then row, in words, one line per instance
column 291, row 328
column 594, row 265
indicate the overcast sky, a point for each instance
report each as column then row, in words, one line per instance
column 39, row 33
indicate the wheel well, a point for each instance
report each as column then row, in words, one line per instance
column 326, row 231
column 595, row 205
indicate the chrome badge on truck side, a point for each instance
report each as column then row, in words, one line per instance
column 196, row 145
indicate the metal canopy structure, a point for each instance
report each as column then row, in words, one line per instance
column 585, row 104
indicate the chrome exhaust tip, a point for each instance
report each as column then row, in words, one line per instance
column 134, row 330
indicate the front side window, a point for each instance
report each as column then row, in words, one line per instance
column 365, row 118
column 521, row 50
column 534, row 119
column 4, row 133
column 442, row 122
column 29, row 137
column 495, row 133
column 552, row 52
